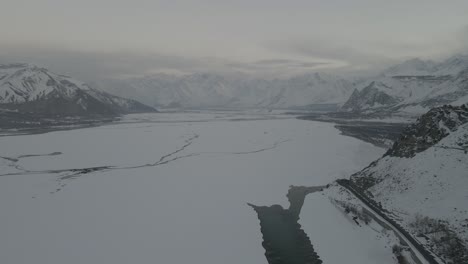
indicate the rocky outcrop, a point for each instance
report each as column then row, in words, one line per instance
column 428, row 130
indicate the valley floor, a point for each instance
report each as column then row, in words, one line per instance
column 174, row 188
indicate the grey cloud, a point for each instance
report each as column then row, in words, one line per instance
column 378, row 53
column 95, row 66
column 462, row 38
column 92, row 66
column 285, row 64
column 180, row 35
column 336, row 53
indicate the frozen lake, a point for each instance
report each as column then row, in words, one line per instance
column 174, row 188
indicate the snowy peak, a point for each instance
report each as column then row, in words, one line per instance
column 21, row 83
column 371, row 96
column 32, row 89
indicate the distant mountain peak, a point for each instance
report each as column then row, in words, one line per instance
column 28, row 88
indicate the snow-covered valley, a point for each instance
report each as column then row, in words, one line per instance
column 173, row 188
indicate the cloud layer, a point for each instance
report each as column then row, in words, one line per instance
column 115, row 38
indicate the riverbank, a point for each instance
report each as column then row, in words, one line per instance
column 379, row 133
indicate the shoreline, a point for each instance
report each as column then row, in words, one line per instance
column 380, row 134
column 284, row 240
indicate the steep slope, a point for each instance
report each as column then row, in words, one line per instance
column 423, row 179
column 30, row 89
column 213, row 90
column 412, row 88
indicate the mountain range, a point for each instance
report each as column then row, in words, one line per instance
column 409, row 89
column 204, row 90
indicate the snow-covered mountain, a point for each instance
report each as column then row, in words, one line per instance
column 423, row 179
column 28, row 88
column 410, row 89
column 413, row 87
column 213, row 90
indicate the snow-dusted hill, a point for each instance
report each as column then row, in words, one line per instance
column 412, row 88
column 423, row 179
column 213, row 90
column 28, row 88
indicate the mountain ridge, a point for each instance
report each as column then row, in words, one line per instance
column 408, row 89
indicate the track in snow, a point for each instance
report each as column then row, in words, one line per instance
column 68, row 174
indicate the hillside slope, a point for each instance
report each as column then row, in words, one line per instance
column 423, row 180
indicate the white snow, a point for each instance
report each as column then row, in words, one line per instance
column 338, row 239
column 191, row 210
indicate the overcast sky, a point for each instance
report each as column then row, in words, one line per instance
column 124, row 38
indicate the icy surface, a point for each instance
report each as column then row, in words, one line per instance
column 186, row 201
